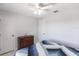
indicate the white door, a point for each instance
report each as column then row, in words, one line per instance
column 7, row 39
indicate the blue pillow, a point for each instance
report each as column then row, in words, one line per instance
column 33, row 50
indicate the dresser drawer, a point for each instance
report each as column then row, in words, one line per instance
column 25, row 41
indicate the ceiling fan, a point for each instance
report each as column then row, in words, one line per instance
column 38, row 8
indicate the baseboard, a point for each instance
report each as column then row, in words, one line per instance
column 7, row 52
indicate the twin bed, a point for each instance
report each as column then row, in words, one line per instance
column 47, row 48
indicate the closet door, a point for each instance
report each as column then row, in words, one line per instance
column 0, row 34
column 7, row 39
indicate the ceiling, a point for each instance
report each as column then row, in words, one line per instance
column 23, row 8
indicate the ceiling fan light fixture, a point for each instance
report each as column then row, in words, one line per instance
column 39, row 8
column 38, row 12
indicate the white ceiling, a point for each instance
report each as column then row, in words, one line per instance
column 23, row 8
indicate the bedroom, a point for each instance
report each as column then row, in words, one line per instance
column 51, row 29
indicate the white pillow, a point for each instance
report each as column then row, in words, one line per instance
column 52, row 46
column 40, row 50
column 51, row 42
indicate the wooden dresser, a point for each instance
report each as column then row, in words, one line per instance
column 25, row 41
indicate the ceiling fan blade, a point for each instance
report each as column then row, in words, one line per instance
column 47, row 7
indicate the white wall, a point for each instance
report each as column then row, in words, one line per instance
column 26, row 26
column 17, row 25
column 62, row 27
